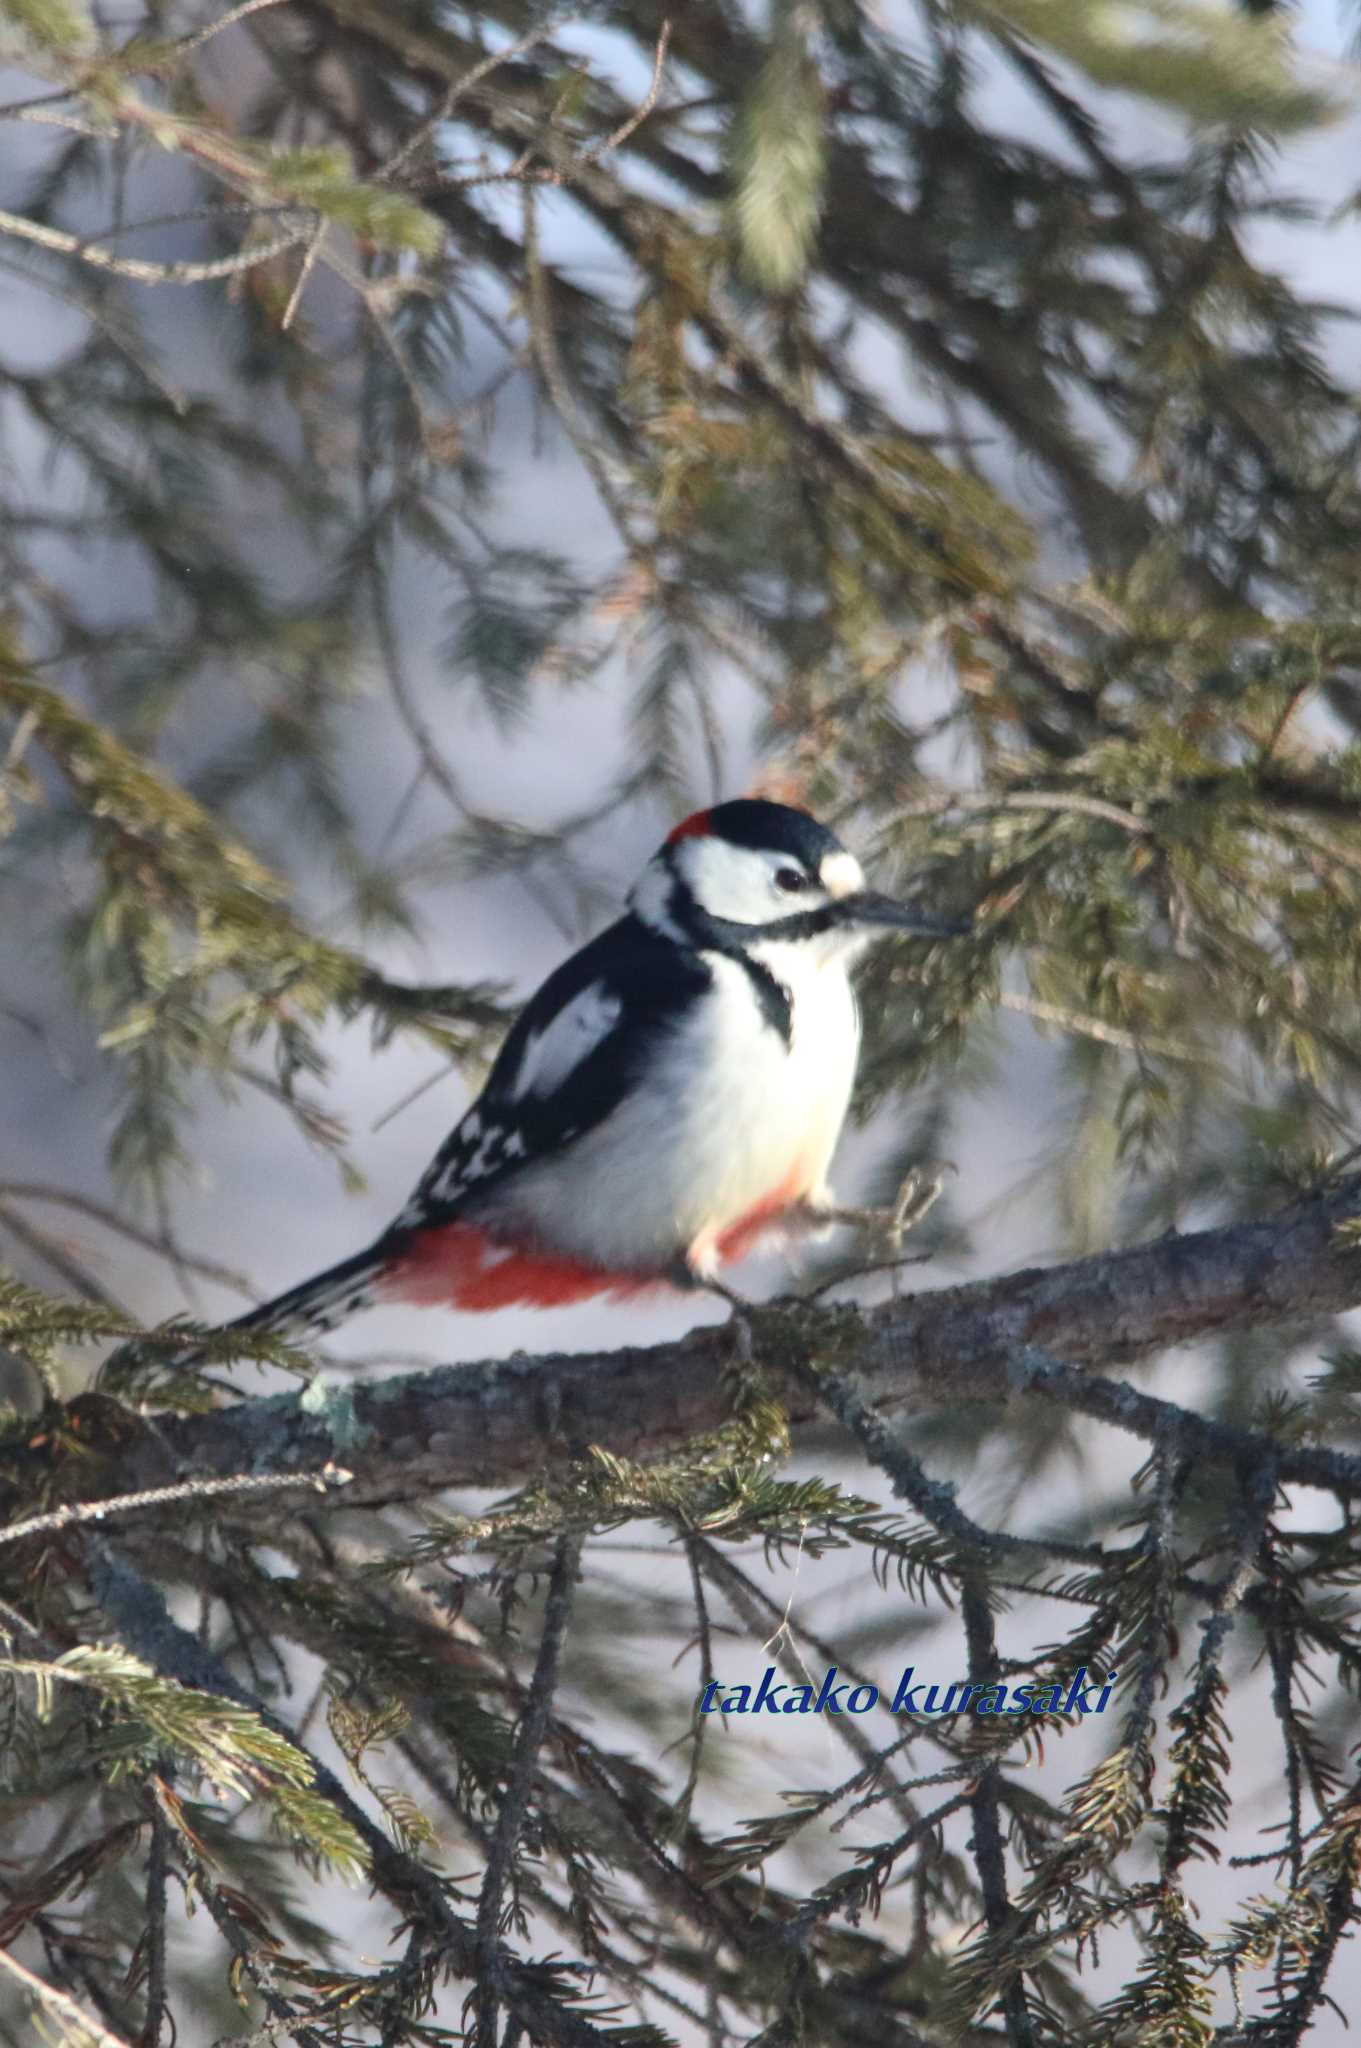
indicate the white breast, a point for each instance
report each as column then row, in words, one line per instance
column 727, row 1117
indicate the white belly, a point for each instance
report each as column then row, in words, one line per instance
column 728, row 1118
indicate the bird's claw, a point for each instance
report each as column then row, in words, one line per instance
column 919, row 1192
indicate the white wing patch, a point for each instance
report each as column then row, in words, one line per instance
column 485, row 1158
column 566, row 1040
column 491, row 1136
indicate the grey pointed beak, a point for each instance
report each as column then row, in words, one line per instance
column 870, row 908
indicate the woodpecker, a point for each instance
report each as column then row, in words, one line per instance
column 673, row 1092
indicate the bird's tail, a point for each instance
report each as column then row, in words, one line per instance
column 317, row 1304
column 324, row 1300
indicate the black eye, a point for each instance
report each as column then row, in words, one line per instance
column 791, row 879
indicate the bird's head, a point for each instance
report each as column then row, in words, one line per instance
column 752, row 873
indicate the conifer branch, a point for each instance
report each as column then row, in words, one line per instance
column 989, row 1857
column 241, row 1484
column 514, row 1807
column 1033, row 1334
column 143, row 1623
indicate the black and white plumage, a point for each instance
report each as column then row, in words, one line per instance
column 672, row 1091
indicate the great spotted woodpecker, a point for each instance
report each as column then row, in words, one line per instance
column 672, row 1092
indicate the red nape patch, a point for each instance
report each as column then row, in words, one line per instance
column 693, row 827
column 459, row 1266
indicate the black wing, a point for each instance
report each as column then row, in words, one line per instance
column 574, row 1052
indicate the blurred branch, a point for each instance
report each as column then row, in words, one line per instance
column 1097, row 1028
column 102, row 1212
column 76, row 2025
column 58, row 1256
column 1025, row 800
column 645, row 106
column 494, row 59
column 188, row 44
column 135, row 267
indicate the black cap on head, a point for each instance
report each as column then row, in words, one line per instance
column 765, row 827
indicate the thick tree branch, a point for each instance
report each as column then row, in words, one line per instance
column 1024, row 1333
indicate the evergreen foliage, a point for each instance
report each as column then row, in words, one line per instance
column 1018, row 498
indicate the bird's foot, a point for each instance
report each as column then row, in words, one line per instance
column 919, row 1192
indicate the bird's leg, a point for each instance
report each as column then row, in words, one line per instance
column 919, row 1192
column 691, row 1271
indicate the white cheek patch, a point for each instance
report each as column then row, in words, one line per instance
column 841, row 874
column 729, row 881
column 741, row 883
column 553, row 1053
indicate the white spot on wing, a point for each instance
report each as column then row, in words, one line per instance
column 484, row 1158
column 566, row 1040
